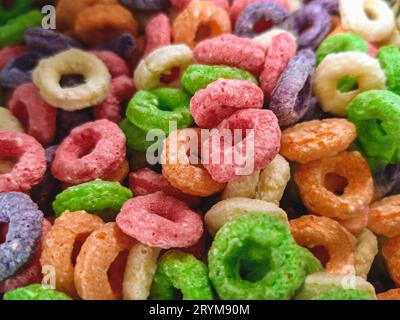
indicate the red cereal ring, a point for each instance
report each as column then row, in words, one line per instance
column 61, row 246
column 158, row 33
column 313, row 232
column 36, row 115
column 178, row 169
column 283, row 47
column 179, row 5
column 30, row 166
column 261, row 133
column 146, row 181
column 32, row 271
column 199, row 250
column 239, row 5
column 100, row 264
column 231, row 50
column 122, row 88
column 91, row 151
column 391, row 254
column 9, row 53
column 115, row 64
column 223, row 98
column 158, row 220
column 384, row 217
column 345, row 203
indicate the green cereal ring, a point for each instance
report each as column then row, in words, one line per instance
column 255, row 258
column 19, row 7
column 341, row 42
column 13, row 32
column 94, row 197
column 156, row 108
column 135, row 137
column 35, row 292
column 376, row 114
column 389, row 59
column 179, row 272
column 199, row 76
column 344, row 294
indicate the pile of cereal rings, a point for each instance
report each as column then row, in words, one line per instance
column 102, row 198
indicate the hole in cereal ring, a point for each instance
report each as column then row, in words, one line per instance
column 7, row 164
column 87, row 143
column 116, row 272
column 71, row 80
column 77, row 247
column 8, row 4
column 254, row 263
column 21, row 113
column 375, row 126
column 3, row 232
column 335, row 183
column 371, row 13
column 203, row 32
column 347, row 84
column 106, row 30
column 321, row 253
column 170, row 76
column 262, row 25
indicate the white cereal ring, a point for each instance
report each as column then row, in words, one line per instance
column 264, row 39
column 268, row 184
column 364, row 252
column 227, row 210
column 48, row 73
column 371, row 19
column 9, row 122
column 160, row 61
column 139, row 272
column 334, row 67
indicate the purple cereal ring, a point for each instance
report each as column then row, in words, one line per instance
column 312, row 24
column 25, row 222
column 332, row 6
column 31, row 162
column 48, row 41
column 255, row 12
column 67, row 120
column 223, row 98
column 123, row 45
column 19, row 70
column 231, row 50
column 228, row 160
column 146, row 4
column 291, row 98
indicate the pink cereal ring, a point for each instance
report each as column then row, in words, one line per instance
column 260, row 145
column 239, row 5
column 372, row 50
column 8, row 53
column 31, row 162
column 115, row 64
column 158, row 33
column 223, row 98
column 160, row 221
column 282, row 48
column 146, row 181
column 35, row 114
column 179, row 5
column 32, row 272
column 122, row 89
column 231, row 50
column 91, row 151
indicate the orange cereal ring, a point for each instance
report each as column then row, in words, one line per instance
column 393, row 294
column 342, row 204
column 337, row 27
column 391, row 254
column 119, row 174
column 384, row 217
column 180, row 172
column 97, row 255
column 99, row 23
column 356, row 224
column 60, row 243
column 67, row 11
column 198, row 21
column 313, row 140
column 312, row 231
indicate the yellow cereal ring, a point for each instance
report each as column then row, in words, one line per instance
column 48, row 73
column 162, row 60
column 264, row 39
column 364, row 252
column 334, row 67
column 355, row 16
column 228, row 210
column 9, row 122
column 139, row 272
